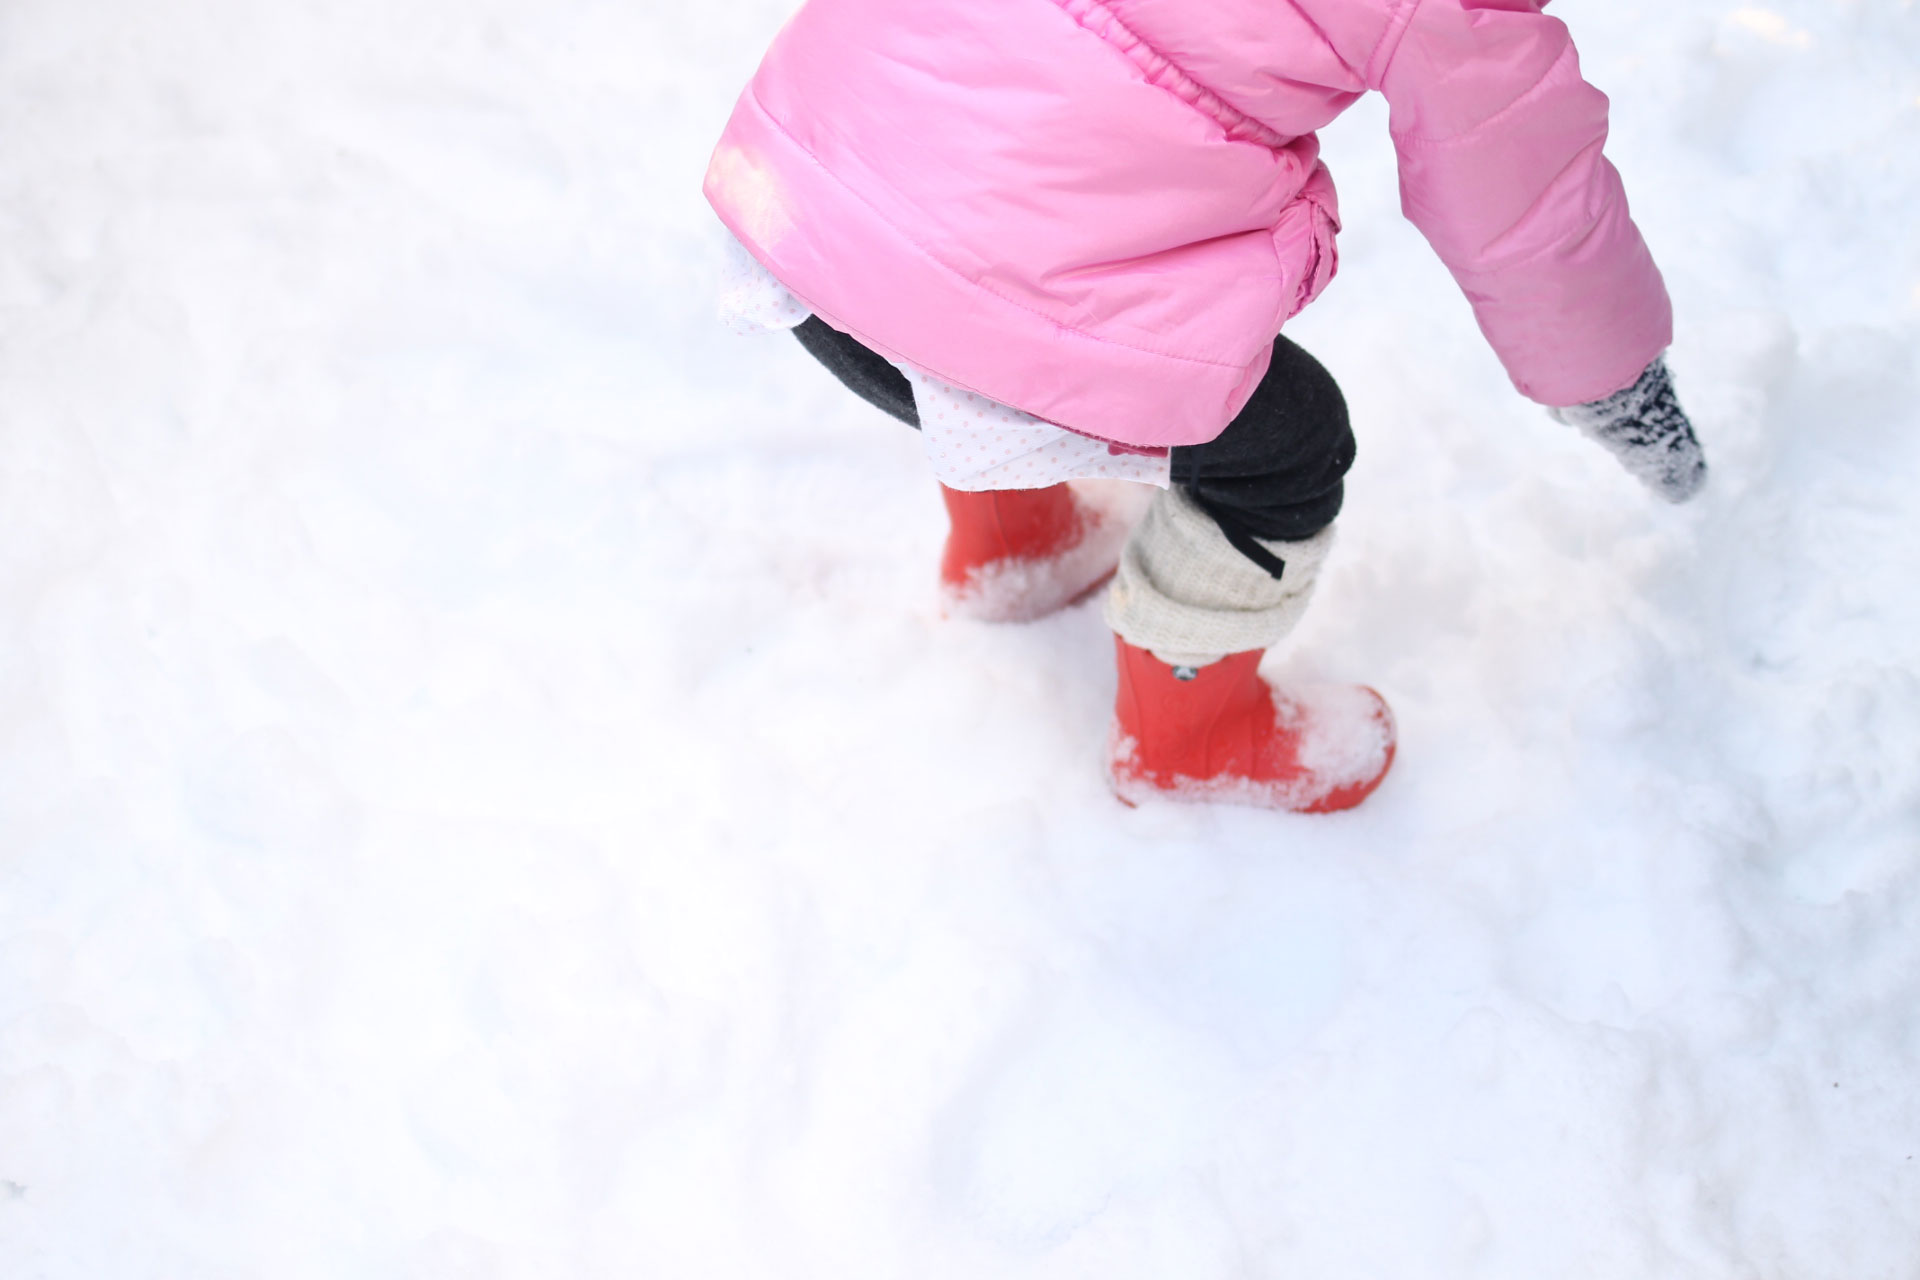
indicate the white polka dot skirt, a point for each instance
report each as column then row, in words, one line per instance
column 973, row 443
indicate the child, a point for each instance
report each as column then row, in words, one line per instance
column 1061, row 236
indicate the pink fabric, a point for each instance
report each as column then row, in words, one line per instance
column 1102, row 211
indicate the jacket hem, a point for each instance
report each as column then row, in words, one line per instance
column 804, row 226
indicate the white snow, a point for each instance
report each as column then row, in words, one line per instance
column 486, row 790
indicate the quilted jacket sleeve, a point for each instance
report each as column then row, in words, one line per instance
column 1499, row 141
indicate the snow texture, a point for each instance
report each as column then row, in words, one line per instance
column 486, row 790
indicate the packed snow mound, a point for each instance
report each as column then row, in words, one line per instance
column 487, row 790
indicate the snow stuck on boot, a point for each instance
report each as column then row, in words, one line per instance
column 1021, row 588
column 1224, row 734
column 1346, row 737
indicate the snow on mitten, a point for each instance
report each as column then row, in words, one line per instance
column 1646, row 429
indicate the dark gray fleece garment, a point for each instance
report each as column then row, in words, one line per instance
column 1275, row 472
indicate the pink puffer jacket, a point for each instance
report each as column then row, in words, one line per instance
column 1102, row 211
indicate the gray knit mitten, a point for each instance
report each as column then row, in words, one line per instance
column 1646, row 429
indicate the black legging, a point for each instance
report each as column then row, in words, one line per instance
column 1275, row 472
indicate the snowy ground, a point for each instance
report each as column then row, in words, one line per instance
column 485, row 790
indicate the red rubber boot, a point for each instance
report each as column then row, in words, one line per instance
column 1017, row 554
column 1226, row 734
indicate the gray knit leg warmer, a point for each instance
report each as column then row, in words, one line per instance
column 1184, row 594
